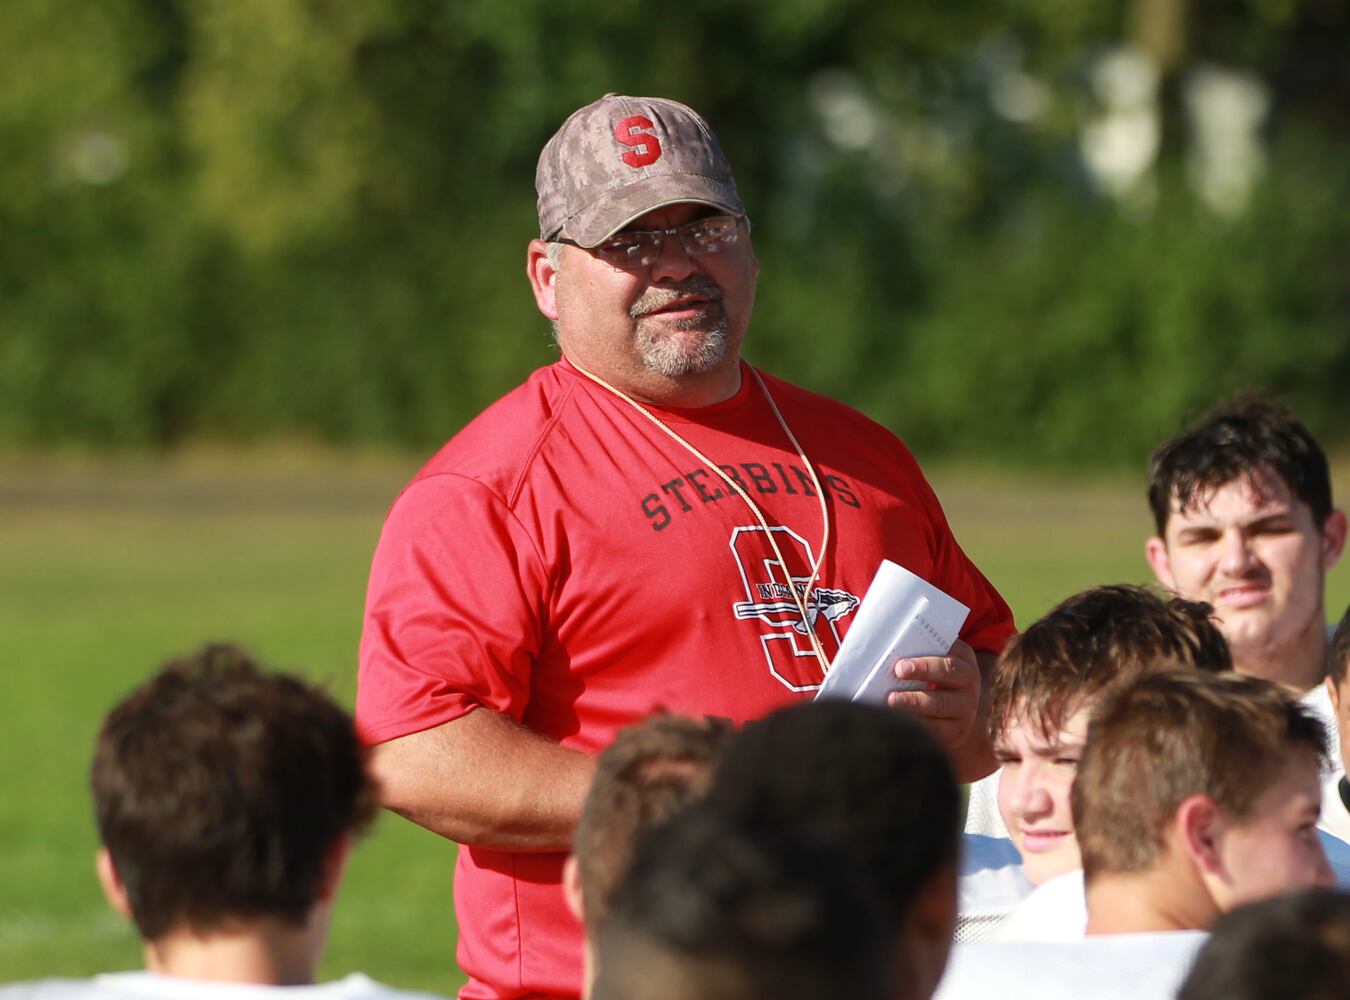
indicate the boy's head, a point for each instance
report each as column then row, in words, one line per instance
column 1296, row 945
column 1232, row 443
column 1045, row 684
column 873, row 782
column 711, row 911
column 1245, row 522
column 224, row 795
column 1211, row 776
column 647, row 773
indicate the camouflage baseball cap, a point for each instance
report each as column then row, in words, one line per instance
column 621, row 157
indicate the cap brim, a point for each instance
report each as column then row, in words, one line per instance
column 599, row 221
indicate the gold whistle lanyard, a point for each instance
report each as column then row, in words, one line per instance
column 801, row 600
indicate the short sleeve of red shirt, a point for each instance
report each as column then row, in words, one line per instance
column 452, row 611
column 990, row 624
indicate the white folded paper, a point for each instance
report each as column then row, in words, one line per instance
column 901, row 616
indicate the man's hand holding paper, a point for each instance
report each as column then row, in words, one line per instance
column 902, row 650
column 950, row 698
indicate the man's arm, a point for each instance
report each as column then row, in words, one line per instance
column 973, row 757
column 955, row 706
column 486, row 780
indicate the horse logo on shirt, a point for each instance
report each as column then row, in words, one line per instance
column 768, row 599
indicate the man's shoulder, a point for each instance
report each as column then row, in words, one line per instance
column 1333, row 828
column 1317, row 700
column 797, row 395
column 150, row 986
column 497, row 443
column 990, row 885
column 1055, row 911
column 112, row 986
column 358, row 986
column 47, row 989
column 982, row 816
column 1335, row 818
column 806, row 408
column 1136, row 966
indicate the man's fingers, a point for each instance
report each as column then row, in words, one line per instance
column 948, row 731
column 949, row 697
column 935, row 706
column 946, row 671
column 950, row 700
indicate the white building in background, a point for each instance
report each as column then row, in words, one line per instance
column 1226, row 110
column 1119, row 144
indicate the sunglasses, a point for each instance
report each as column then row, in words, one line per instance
column 638, row 248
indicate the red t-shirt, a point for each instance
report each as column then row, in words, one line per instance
column 564, row 562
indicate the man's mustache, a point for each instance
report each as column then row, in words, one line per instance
column 663, row 295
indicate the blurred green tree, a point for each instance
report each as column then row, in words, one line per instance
column 999, row 227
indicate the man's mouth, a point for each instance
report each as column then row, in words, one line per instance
column 1037, row 841
column 1243, row 595
column 685, row 303
column 694, row 295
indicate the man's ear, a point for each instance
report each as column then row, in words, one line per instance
column 1198, row 829
column 1155, row 551
column 1333, row 539
column 1334, row 693
column 571, row 883
column 934, row 907
column 334, row 866
column 543, row 278
column 931, row 926
column 113, row 889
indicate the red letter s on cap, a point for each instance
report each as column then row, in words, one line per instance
column 626, row 132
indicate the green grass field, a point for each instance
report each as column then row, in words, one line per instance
column 106, row 568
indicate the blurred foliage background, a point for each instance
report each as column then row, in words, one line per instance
column 1027, row 231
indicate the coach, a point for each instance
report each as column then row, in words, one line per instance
column 648, row 523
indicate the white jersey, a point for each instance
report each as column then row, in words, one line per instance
column 1055, row 911
column 1335, row 818
column 1338, row 856
column 1107, row 967
column 989, row 886
column 1334, row 823
column 1317, row 700
column 982, row 816
column 152, row 986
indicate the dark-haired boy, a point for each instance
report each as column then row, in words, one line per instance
column 712, row 911
column 1245, row 522
column 1196, row 793
column 873, row 782
column 227, row 801
column 1290, row 946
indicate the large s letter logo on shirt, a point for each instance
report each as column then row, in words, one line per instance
column 648, row 149
column 787, row 647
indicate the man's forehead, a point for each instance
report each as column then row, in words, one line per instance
column 1258, row 493
column 1067, row 725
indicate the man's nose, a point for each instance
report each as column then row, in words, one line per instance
column 1029, row 795
column 673, row 263
column 1235, row 554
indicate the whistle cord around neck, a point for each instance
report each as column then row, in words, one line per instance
column 801, row 600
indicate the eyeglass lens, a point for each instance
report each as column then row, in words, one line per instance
column 642, row 247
